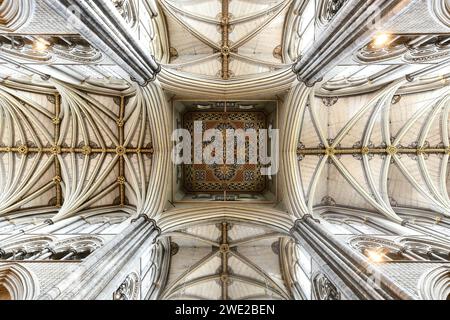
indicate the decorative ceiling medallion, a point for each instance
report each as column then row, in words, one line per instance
column 391, row 150
column 57, row 179
column 86, row 150
column 225, row 172
column 224, row 248
column 120, row 122
column 55, row 150
column 121, row 180
column 330, row 151
column 23, row 149
column 120, row 150
column 365, row 150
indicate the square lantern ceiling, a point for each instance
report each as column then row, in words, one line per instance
column 228, row 180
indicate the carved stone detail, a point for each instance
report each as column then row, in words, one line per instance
column 333, row 7
column 128, row 11
column 330, row 101
column 128, row 289
column 407, row 49
column 324, row 289
column 328, row 201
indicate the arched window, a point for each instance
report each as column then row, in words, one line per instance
column 127, row 9
column 346, row 224
column 77, row 248
column 302, row 34
column 14, row 14
column 97, row 224
column 426, row 250
column 46, row 248
column 25, row 249
column 382, row 250
column 8, row 227
column 17, row 283
column 435, row 285
column 379, row 250
column 442, row 11
column 306, row 27
column 128, row 289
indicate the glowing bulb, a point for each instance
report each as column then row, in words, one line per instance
column 41, row 45
column 380, row 40
column 374, row 256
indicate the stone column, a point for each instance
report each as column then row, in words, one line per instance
column 350, row 28
column 352, row 273
column 99, row 22
column 88, row 280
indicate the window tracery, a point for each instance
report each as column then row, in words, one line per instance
column 427, row 250
column 77, row 248
column 329, row 9
column 50, row 49
column 435, row 285
column 410, row 49
column 406, row 249
column 437, row 225
column 302, row 271
column 127, row 9
column 324, row 289
column 353, row 225
column 128, row 289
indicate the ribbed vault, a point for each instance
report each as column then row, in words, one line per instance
column 85, row 126
column 225, row 261
column 385, row 151
column 71, row 150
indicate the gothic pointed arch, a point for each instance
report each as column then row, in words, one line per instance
column 18, row 283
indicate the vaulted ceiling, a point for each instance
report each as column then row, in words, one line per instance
column 377, row 152
column 225, row 261
column 226, row 39
column 73, row 150
column 371, row 133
